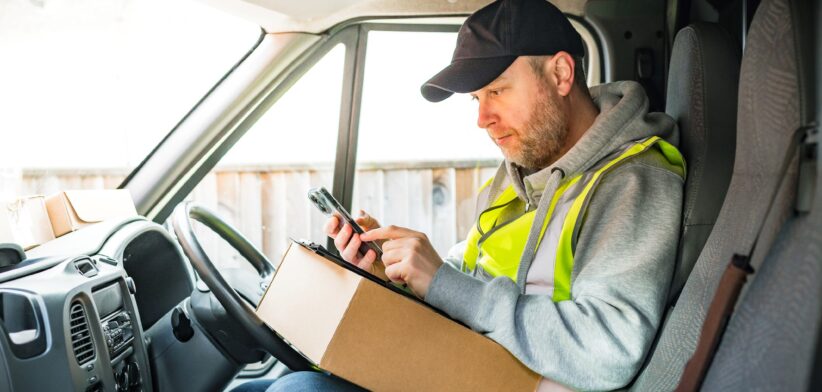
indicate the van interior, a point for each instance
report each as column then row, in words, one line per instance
column 164, row 300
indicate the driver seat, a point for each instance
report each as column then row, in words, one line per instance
column 701, row 98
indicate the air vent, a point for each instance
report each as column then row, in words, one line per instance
column 86, row 267
column 80, row 336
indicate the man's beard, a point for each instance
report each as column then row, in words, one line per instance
column 543, row 136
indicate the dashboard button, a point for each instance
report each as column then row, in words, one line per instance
column 107, row 260
column 131, row 287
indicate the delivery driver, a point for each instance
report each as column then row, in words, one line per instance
column 570, row 259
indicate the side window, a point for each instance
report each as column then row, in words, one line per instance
column 87, row 89
column 419, row 164
column 260, row 185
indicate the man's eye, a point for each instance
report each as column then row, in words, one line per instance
column 495, row 92
column 474, row 98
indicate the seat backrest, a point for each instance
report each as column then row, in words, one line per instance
column 702, row 90
column 768, row 114
column 769, row 341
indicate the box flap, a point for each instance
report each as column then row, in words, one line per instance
column 98, row 205
column 25, row 221
column 41, row 230
column 306, row 300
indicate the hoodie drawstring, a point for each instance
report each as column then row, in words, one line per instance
column 541, row 214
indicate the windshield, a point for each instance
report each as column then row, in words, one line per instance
column 89, row 87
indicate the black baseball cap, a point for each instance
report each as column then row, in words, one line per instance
column 493, row 37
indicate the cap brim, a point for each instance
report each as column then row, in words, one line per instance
column 464, row 76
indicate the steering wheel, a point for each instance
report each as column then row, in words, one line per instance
column 235, row 305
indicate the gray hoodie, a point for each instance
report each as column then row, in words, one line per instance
column 623, row 262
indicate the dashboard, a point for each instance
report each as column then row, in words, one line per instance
column 90, row 311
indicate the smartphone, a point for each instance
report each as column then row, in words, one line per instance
column 329, row 206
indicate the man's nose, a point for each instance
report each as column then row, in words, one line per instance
column 486, row 116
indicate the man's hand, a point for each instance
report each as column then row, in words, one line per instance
column 348, row 242
column 408, row 256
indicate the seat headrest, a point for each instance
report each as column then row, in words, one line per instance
column 770, row 87
column 702, row 98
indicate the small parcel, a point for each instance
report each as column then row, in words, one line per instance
column 352, row 324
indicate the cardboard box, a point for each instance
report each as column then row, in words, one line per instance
column 381, row 340
column 24, row 221
column 71, row 210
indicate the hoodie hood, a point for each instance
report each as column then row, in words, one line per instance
column 623, row 118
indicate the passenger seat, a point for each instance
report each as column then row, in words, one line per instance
column 777, row 316
column 769, row 341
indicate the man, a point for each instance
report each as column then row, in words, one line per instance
column 569, row 263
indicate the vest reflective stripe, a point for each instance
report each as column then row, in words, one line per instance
column 494, row 248
column 509, row 239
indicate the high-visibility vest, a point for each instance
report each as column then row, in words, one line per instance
column 494, row 248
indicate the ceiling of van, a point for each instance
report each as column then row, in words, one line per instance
column 316, row 16
column 303, row 10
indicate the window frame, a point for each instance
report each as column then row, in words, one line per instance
column 162, row 208
column 354, row 35
column 345, row 164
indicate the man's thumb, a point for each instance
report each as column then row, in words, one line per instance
column 367, row 221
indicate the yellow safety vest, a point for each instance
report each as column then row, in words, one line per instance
column 496, row 247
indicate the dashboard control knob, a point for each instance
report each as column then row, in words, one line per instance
column 121, row 380
column 133, row 374
column 181, row 325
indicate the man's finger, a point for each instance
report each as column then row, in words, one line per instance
column 367, row 221
column 392, row 256
column 368, row 260
column 342, row 238
column 389, row 233
column 394, row 272
column 351, row 250
column 332, row 226
column 398, row 243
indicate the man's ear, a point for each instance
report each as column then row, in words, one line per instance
column 563, row 72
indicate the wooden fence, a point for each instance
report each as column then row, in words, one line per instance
column 268, row 203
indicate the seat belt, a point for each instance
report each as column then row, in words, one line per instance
column 815, row 382
column 736, row 274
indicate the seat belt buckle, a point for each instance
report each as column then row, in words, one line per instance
column 806, row 178
column 743, row 263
